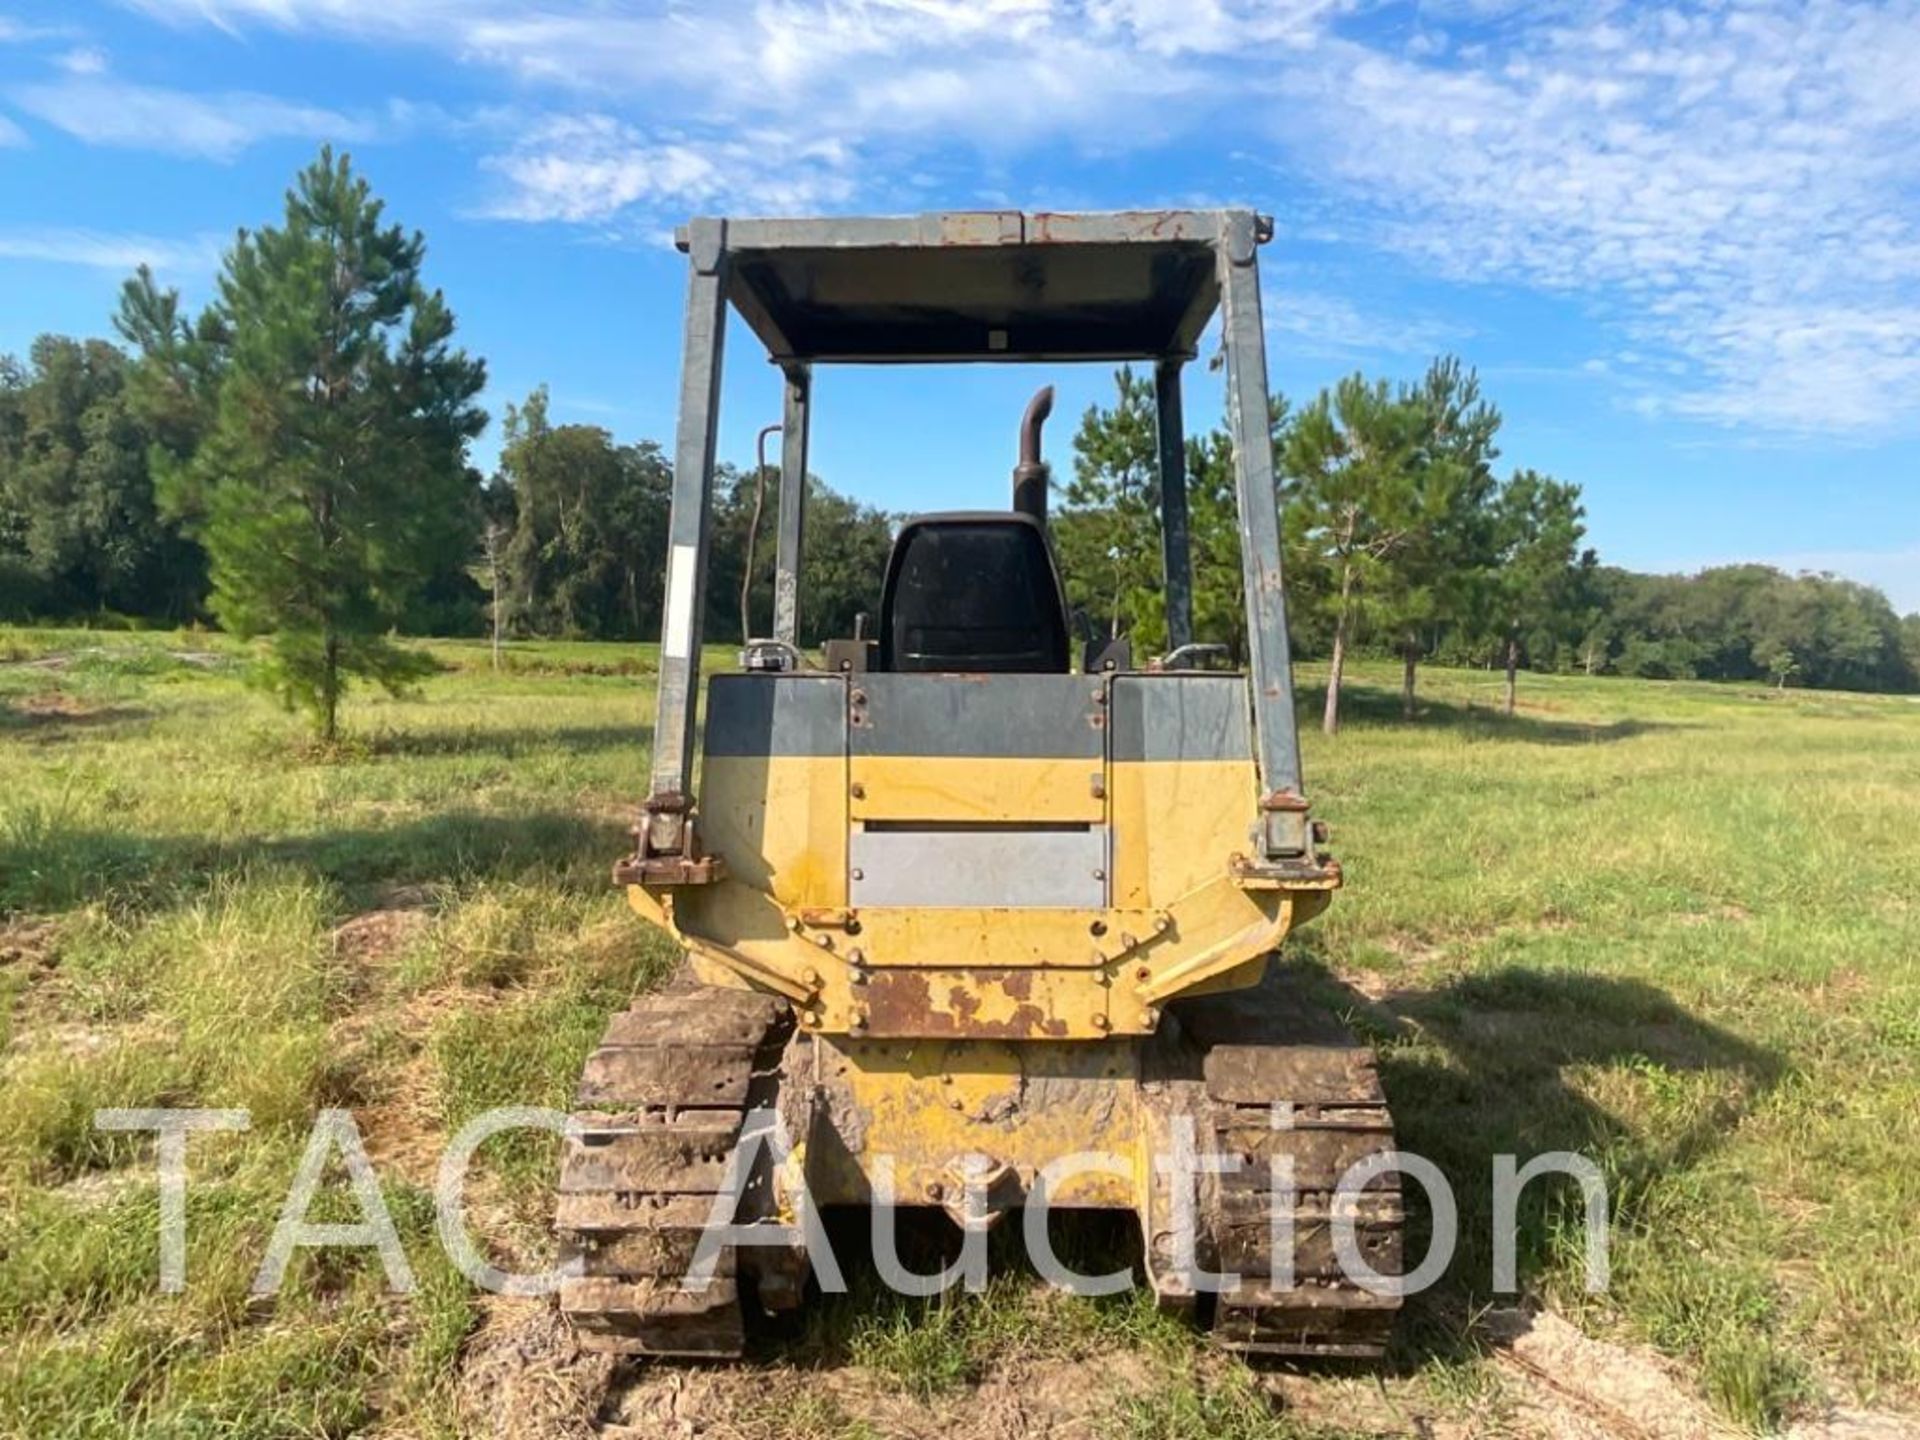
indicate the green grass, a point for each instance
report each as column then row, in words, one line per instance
column 1675, row 927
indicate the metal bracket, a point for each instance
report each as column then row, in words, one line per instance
column 667, row 849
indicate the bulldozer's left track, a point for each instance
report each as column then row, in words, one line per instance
column 662, row 1102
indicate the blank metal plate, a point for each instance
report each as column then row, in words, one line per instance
column 999, row 868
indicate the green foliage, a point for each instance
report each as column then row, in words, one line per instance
column 587, row 553
column 1532, row 584
column 847, row 544
column 1750, row 622
column 590, row 527
column 80, row 532
column 1107, row 528
column 331, row 483
column 1348, row 465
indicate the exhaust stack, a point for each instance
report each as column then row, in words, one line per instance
column 1032, row 476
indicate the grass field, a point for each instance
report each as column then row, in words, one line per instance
column 1676, row 927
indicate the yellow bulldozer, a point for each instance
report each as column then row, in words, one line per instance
column 956, row 903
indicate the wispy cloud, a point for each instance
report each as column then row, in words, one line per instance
column 1333, row 325
column 593, row 167
column 1734, row 189
column 10, row 133
column 112, row 249
column 83, row 60
column 16, row 32
column 104, row 111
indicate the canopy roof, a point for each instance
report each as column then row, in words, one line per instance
column 970, row 285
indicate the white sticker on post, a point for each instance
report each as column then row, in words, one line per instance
column 676, row 641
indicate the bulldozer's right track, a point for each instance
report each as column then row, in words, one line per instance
column 662, row 1104
column 1279, row 1077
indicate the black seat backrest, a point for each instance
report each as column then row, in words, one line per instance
column 973, row 592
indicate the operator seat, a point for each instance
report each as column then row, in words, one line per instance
column 974, row 591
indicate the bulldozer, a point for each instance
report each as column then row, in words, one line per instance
column 955, row 902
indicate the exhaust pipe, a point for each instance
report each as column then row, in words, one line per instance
column 1032, row 476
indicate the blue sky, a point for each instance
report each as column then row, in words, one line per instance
column 1681, row 244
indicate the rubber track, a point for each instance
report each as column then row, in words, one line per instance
column 660, row 1106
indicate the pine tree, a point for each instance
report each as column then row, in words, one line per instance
column 1534, row 584
column 1447, row 551
column 334, row 467
column 1352, row 509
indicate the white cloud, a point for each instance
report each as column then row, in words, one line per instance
column 10, row 133
column 1734, row 189
column 83, row 60
column 112, row 250
column 111, row 112
column 14, row 32
column 1333, row 325
column 593, row 167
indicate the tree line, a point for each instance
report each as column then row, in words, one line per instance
column 291, row 464
column 1402, row 540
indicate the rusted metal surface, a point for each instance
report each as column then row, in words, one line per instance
column 667, row 849
column 668, row 871
column 970, row 1004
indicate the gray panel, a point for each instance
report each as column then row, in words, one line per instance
column 776, row 715
column 1180, row 717
column 991, row 716
column 1007, row 868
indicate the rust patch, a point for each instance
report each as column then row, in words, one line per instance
column 901, row 1005
column 964, row 1004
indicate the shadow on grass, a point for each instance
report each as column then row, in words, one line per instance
column 1365, row 708
column 46, row 866
column 505, row 744
column 1478, row 1067
column 55, row 715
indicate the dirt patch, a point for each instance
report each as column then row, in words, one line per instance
column 523, row 1378
column 400, row 1116
column 1857, row 1425
column 1022, row 1397
column 1576, row 1386
column 48, row 710
column 372, row 937
column 29, row 943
